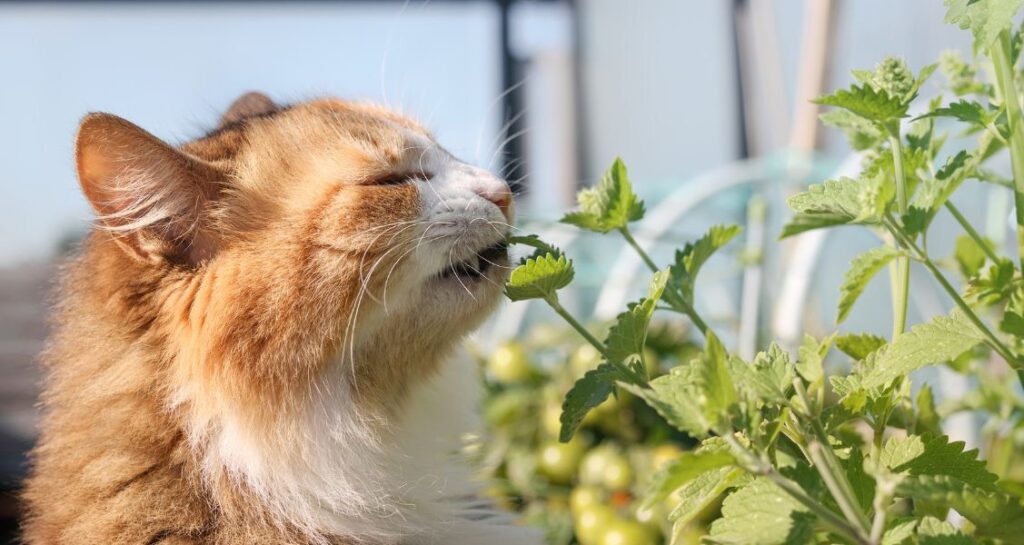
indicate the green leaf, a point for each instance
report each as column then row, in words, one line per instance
column 984, row 18
column 928, row 420
column 866, row 102
column 858, row 346
column 540, row 247
column 769, row 377
column 994, row 514
column 611, row 205
column 834, row 202
column 693, row 256
column 717, row 389
column 811, row 361
column 862, row 269
column 675, row 397
column 629, row 334
column 942, row 339
column 539, row 277
column 932, row 531
column 934, row 192
column 900, row 532
column 968, row 255
column 860, row 133
column 683, row 470
column 967, row 111
column 915, row 456
column 701, row 492
column 762, row 514
column 589, row 391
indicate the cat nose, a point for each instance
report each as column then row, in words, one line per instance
column 498, row 193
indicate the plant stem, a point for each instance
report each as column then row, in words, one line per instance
column 828, row 466
column 552, row 300
column 673, row 299
column 1005, row 73
column 902, row 280
column 993, row 341
column 883, row 495
column 985, row 246
column 754, row 464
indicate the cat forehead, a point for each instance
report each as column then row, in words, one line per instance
column 322, row 125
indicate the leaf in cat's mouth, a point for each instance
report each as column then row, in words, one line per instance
column 478, row 264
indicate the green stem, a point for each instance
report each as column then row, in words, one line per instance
column 674, row 300
column 993, row 341
column 552, row 300
column 884, row 491
column 985, row 246
column 754, row 464
column 828, row 466
column 1005, row 73
column 901, row 282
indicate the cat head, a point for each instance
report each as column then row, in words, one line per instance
column 300, row 231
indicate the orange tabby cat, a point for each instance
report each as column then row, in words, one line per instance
column 254, row 344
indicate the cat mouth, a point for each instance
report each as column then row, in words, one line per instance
column 477, row 265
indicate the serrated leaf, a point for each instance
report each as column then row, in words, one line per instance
column 866, row 102
column 858, row 346
column 862, row 269
column 674, row 397
column 994, row 514
column 984, row 18
column 934, row 192
column 687, row 467
column 701, row 492
column 860, row 133
column 539, row 277
column 610, row 205
column 900, row 532
column 834, row 202
column 942, row 339
column 628, row 335
column 588, row 392
column 932, row 531
column 967, row 111
column 760, row 513
column 717, row 391
column 692, row 257
column 811, row 357
column 937, row 456
column 769, row 377
column 540, row 248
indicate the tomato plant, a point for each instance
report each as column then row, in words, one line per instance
column 781, row 449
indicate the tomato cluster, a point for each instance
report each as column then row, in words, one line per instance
column 587, row 491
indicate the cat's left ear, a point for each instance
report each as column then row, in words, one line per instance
column 154, row 198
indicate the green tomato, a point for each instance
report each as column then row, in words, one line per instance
column 607, row 467
column 628, row 532
column 558, row 461
column 551, row 419
column 621, row 532
column 591, row 524
column 585, row 358
column 583, row 497
column 618, row 474
column 508, row 364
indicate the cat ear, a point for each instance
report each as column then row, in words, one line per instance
column 250, row 104
column 154, row 198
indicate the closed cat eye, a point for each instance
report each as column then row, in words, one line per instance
column 399, row 179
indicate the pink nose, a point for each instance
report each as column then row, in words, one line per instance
column 499, row 194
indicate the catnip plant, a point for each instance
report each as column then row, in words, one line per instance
column 794, row 454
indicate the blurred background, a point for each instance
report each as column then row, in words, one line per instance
column 707, row 102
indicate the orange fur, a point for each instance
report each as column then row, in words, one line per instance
column 236, row 304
